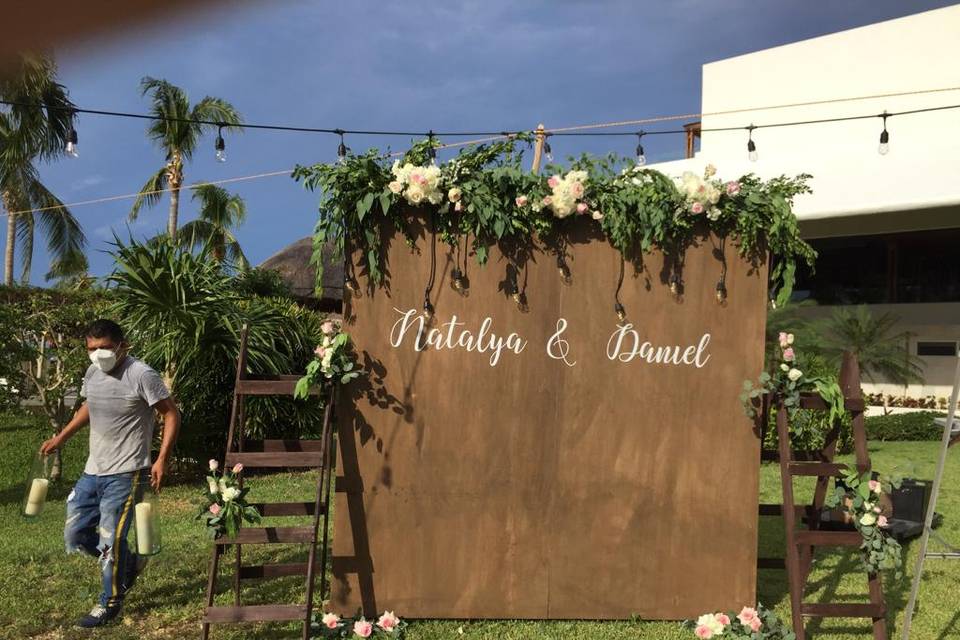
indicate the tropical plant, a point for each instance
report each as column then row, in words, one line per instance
column 881, row 351
column 36, row 126
column 177, row 128
column 220, row 211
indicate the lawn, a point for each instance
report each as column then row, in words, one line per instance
column 44, row 591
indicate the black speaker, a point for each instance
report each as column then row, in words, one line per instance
column 911, row 499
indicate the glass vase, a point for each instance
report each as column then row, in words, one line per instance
column 146, row 524
column 38, row 483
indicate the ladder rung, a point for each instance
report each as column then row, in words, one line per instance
column 843, row 610
column 257, row 613
column 772, row 455
column 264, row 459
column 269, row 509
column 283, row 386
column 829, row 538
column 771, row 563
column 817, row 468
column 271, row 535
column 777, row 510
column 814, row 401
column 255, row 572
column 255, row 446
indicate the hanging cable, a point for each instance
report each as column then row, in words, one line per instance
column 427, row 305
column 617, row 306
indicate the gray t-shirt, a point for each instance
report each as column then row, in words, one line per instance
column 121, row 417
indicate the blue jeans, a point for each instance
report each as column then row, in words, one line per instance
column 99, row 513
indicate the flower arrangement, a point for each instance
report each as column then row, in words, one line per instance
column 495, row 198
column 333, row 361
column 749, row 624
column 387, row 625
column 787, row 382
column 225, row 508
column 859, row 496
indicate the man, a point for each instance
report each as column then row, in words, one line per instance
column 122, row 394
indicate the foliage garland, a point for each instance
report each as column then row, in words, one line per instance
column 485, row 194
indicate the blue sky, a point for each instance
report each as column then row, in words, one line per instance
column 413, row 65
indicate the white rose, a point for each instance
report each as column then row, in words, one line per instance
column 223, row 485
column 710, row 170
column 789, row 338
column 214, row 488
column 395, row 187
column 454, row 194
column 596, row 215
column 414, row 194
column 794, row 374
column 230, row 493
column 785, row 367
column 868, row 519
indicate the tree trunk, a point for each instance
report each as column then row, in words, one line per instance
column 174, row 180
column 11, row 242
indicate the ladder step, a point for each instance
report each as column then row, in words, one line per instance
column 829, row 538
column 270, row 509
column 270, row 386
column 257, row 613
column 771, row 563
column 255, row 572
column 777, row 510
column 773, row 455
column 814, row 401
column 817, row 468
column 268, row 459
column 271, row 535
column 251, row 446
column 843, row 610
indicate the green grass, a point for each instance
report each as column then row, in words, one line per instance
column 44, row 591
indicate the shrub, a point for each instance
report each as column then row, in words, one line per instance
column 918, row 425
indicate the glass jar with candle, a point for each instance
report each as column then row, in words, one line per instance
column 146, row 524
column 38, row 483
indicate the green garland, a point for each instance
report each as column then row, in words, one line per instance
column 485, row 194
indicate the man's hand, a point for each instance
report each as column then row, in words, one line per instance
column 51, row 445
column 157, row 472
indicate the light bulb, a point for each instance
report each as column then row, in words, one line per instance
column 427, row 309
column 721, row 291
column 72, row 147
column 752, row 151
column 675, row 284
column 621, row 312
column 221, row 148
column 547, row 151
column 641, row 156
column 353, row 286
column 884, row 147
column 564, row 270
column 641, row 159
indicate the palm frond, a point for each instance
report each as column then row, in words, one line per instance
column 150, row 192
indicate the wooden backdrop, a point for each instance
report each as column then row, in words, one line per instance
column 535, row 489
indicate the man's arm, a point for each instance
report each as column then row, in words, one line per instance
column 80, row 418
column 171, row 427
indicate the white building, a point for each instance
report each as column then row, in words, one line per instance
column 887, row 226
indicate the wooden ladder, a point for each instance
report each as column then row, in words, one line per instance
column 801, row 542
column 304, row 454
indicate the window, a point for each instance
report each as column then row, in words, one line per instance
column 937, row 349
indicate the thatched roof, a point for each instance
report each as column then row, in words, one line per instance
column 293, row 265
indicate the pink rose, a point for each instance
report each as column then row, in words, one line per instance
column 215, row 509
column 788, row 354
column 696, row 207
column 458, row 206
column 388, row 621
column 875, row 486
column 319, row 351
column 783, row 339
column 703, row 631
column 547, row 201
column 733, row 188
column 330, row 620
column 747, row 615
column 521, row 201
column 417, row 178
column 362, row 628
column 582, row 207
column 327, row 328
column 755, row 625
column 553, row 181
column 576, row 189
column 723, row 619
column 237, row 468
column 882, row 521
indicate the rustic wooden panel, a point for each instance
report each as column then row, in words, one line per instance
column 534, row 489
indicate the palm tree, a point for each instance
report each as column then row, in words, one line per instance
column 879, row 350
column 36, row 127
column 219, row 212
column 176, row 131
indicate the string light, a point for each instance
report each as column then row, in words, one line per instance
column 751, row 145
column 342, row 149
column 457, row 281
column 431, row 149
column 641, row 156
column 620, row 311
column 675, row 284
column 427, row 306
column 547, row 151
column 220, row 146
column 564, row 270
column 721, row 290
column 72, row 147
column 884, row 147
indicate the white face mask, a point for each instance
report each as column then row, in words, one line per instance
column 103, row 359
